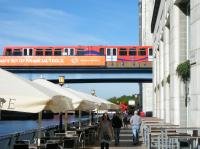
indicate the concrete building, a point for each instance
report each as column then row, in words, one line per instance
column 145, row 15
column 147, row 96
column 176, row 33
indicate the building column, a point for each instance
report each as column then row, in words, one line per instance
column 157, row 84
column 161, row 77
column 194, row 87
column 174, row 61
column 140, row 96
column 154, row 87
column 166, row 73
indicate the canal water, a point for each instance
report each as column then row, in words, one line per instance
column 16, row 126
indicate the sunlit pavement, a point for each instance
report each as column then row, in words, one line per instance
column 125, row 141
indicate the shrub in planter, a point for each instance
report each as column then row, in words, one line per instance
column 183, row 71
column 168, row 79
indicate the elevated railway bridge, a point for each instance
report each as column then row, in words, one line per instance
column 81, row 64
column 86, row 74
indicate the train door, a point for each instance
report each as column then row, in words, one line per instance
column 68, row 52
column 111, row 54
column 27, row 52
column 150, row 54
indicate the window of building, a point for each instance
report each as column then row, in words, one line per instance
column 132, row 52
column 17, row 52
column 39, row 52
column 150, row 51
column 101, row 51
column 8, row 52
column 80, row 52
column 48, row 52
column 58, row 52
column 122, row 52
column 142, row 52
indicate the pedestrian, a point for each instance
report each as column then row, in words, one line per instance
column 125, row 120
column 117, row 124
column 135, row 122
column 105, row 131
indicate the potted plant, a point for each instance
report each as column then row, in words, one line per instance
column 168, row 78
column 183, row 71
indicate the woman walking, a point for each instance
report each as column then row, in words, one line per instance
column 105, row 132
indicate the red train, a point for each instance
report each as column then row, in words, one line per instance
column 113, row 56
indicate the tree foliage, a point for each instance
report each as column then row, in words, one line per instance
column 124, row 99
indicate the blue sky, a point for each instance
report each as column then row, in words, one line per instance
column 71, row 22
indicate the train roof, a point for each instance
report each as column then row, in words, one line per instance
column 62, row 46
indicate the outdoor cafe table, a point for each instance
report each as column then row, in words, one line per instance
column 59, row 139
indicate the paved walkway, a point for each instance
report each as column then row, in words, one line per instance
column 125, row 141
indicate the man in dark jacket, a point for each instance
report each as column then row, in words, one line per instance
column 117, row 124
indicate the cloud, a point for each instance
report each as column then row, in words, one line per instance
column 31, row 26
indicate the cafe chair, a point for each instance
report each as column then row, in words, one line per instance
column 81, row 140
column 21, row 146
column 69, row 144
column 52, row 146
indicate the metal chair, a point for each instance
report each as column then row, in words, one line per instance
column 81, row 140
column 69, row 144
column 21, row 146
column 52, row 146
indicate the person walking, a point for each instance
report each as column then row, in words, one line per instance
column 105, row 131
column 117, row 124
column 125, row 119
column 135, row 122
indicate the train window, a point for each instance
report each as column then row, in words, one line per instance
column 48, row 52
column 142, row 52
column 122, row 52
column 132, row 52
column 65, row 53
column 114, row 51
column 108, row 52
column 25, row 52
column 57, row 52
column 71, row 51
column 150, row 51
column 28, row 51
column 80, row 52
column 39, row 52
column 101, row 51
column 17, row 52
column 8, row 52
